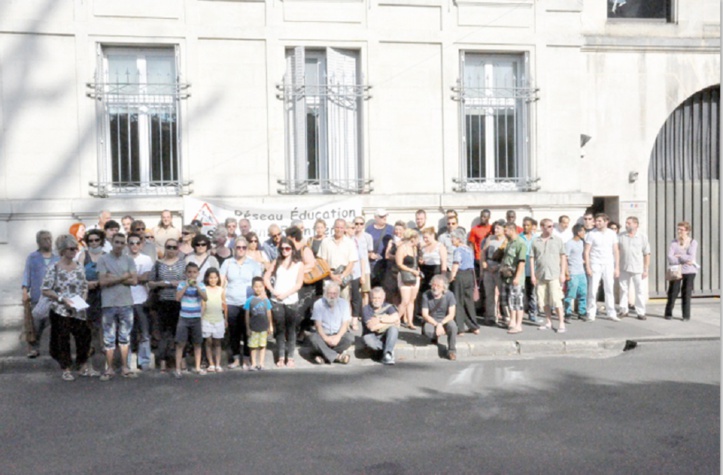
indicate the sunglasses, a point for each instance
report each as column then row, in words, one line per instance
column 74, row 249
column 185, row 233
column 172, row 248
column 253, row 240
column 285, row 248
column 275, row 235
column 150, row 237
column 243, row 248
column 204, row 244
column 358, row 224
column 93, row 240
column 134, row 243
column 140, row 229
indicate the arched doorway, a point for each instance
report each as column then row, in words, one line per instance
column 683, row 179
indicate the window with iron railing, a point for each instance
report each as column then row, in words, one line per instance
column 138, row 94
column 656, row 10
column 495, row 98
column 323, row 96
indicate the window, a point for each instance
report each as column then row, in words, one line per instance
column 641, row 9
column 323, row 96
column 494, row 116
column 137, row 102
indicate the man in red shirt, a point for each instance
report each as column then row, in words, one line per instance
column 479, row 233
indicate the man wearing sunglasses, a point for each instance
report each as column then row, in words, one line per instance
column 141, row 327
column 148, row 246
column 270, row 246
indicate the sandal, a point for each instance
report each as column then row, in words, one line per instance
column 177, row 374
column 106, row 376
column 219, row 369
column 234, row 365
column 68, row 376
column 290, row 363
column 89, row 373
column 199, row 372
column 211, row 369
column 545, row 327
column 319, row 360
column 129, row 374
column 33, row 354
column 343, row 358
column 280, row 364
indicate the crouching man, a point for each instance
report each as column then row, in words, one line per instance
column 438, row 311
column 380, row 326
column 331, row 316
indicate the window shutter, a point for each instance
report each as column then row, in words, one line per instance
column 343, row 115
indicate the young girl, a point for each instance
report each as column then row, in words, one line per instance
column 214, row 319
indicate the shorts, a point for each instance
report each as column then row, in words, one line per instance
column 213, row 330
column 120, row 318
column 186, row 326
column 367, row 285
column 258, row 339
column 549, row 292
column 515, row 297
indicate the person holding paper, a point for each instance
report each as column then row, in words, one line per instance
column 64, row 281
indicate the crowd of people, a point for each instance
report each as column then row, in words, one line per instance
column 130, row 289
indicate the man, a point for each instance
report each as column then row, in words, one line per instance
column 164, row 231
column 147, row 247
column 270, row 246
column 110, row 228
column 331, row 316
column 230, row 225
column 549, row 266
column 341, row 254
column 103, row 217
column 512, row 271
column 141, row 326
column 244, row 226
column 36, row 265
column 588, row 221
column 126, row 221
column 478, row 234
column 446, row 239
column 381, row 234
column 116, row 274
column 420, row 219
column 380, row 326
column 297, row 223
column 365, row 246
column 562, row 228
column 528, row 235
column 602, row 262
column 511, row 217
column 450, row 214
column 634, row 265
column 439, row 308
column 463, row 282
column 576, row 276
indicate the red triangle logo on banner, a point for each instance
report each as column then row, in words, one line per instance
column 206, row 216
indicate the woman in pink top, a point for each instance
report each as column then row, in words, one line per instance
column 682, row 252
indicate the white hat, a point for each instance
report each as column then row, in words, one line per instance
column 381, row 212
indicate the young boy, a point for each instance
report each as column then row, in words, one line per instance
column 576, row 277
column 258, row 323
column 191, row 294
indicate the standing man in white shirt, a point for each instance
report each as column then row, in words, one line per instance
column 634, row 265
column 141, row 326
column 602, row 262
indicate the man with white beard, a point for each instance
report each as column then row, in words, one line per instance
column 331, row 316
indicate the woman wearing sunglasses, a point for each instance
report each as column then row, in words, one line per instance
column 166, row 274
column 254, row 251
column 94, row 239
column 201, row 255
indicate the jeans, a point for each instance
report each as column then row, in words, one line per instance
column 576, row 290
column 606, row 273
column 141, row 332
column 61, row 328
column 285, row 325
column 319, row 346
column 237, row 332
column 530, row 299
column 674, row 287
column 120, row 318
column 384, row 341
column 39, row 325
column 450, row 328
column 637, row 279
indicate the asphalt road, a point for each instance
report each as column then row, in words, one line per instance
column 653, row 410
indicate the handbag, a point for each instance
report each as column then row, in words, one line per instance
column 673, row 273
column 408, row 278
column 320, row 271
column 506, row 271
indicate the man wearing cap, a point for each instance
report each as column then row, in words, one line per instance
column 381, row 234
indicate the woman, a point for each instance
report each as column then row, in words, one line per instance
column 390, row 277
column 308, row 292
column 319, row 235
column 236, row 276
column 202, row 255
column 433, row 260
column 490, row 261
column 408, row 277
column 64, row 281
column 77, row 230
column 682, row 252
column 283, row 281
column 188, row 232
column 94, row 240
column 221, row 251
column 166, row 275
column 462, row 279
column 254, row 252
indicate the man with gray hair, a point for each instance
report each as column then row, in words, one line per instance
column 634, row 265
column 331, row 316
column 380, row 326
column 270, row 246
column 103, row 217
column 439, row 308
column 36, row 265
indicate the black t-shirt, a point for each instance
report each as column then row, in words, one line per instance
column 438, row 308
column 368, row 312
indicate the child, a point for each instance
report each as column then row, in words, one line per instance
column 191, row 294
column 576, row 277
column 258, row 323
column 215, row 319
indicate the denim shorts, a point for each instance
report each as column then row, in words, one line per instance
column 186, row 326
column 120, row 318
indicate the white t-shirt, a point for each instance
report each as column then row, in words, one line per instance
column 143, row 265
column 601, row 246
column 338, row 254
column 565, row 235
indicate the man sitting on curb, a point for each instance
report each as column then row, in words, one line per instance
column 380, row 326
column 331, row 316
column 438, row 311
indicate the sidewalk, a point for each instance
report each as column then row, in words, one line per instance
column 585, row 339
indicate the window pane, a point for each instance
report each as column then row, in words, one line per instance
column 475, row 128
column 123, row 69
column 124, row 148
column 505, row 141
column 652, row 9
column 164, row 166
column 312, row 144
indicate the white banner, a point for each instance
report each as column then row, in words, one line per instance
column 261, row 216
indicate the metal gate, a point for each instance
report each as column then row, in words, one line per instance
column 684, row 186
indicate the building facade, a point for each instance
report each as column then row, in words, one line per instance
column 547, row 107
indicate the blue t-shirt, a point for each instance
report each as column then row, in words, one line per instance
column 574, row 251
column 191, row 300
column 258, row 318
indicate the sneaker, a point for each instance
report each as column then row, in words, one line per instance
column 388, row 359
column 89, row 373
column 568, row 319
column 68, row 376
column 32, row 354
column 177, row 374
column 642, row 317
column 614, row 318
